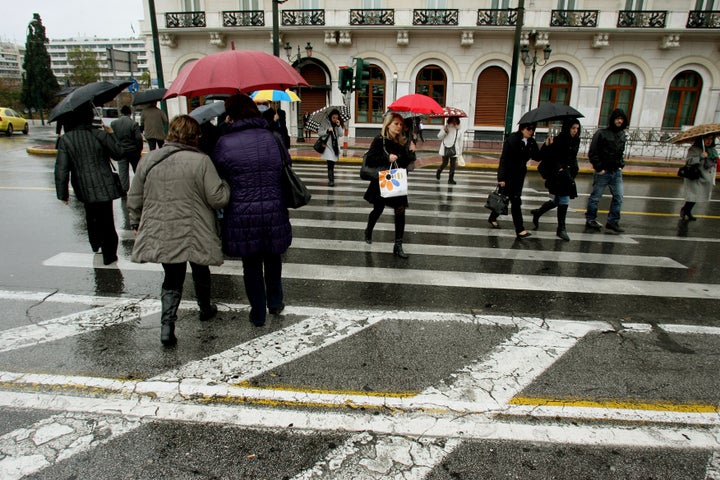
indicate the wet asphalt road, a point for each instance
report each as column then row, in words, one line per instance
column 481, row 356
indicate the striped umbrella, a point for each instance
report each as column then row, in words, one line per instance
column 274, row 96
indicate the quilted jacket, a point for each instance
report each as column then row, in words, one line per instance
column 256, row 219
column 173, row 205
column 83, row 157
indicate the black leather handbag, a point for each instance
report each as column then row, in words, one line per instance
column 295, row 193
column 320, row 143
column 691, row 172
column 498, row 202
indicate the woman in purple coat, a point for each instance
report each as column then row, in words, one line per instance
column 256, row 224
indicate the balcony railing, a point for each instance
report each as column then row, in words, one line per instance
column 574, row 18
column 303, row 17
column 641, row 18
column 703, row 19
column 185, row 19
column 244, row 18
column 435, row 17
column 497, row 18
column 377, row 16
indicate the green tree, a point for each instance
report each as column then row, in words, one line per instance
column 145, row 79
column 39, row 83
column 85, row 66
column 10, row 94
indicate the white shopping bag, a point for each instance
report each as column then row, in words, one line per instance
column 393, row 182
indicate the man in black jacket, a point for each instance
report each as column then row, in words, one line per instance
column 606, row 156
column 128, row 135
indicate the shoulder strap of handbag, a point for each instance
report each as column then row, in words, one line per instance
column 281, row 147
column 454, row 141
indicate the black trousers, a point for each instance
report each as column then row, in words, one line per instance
column 175, row 275
column 101, row 229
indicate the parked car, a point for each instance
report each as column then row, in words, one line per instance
column 11, row 121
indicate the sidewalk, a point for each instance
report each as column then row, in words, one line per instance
column 485, row 158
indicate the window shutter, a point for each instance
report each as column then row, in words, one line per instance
column 491, row 97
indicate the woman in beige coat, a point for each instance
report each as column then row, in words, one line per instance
column 171, row 204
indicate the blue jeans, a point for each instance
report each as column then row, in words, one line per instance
column 561, row 200
column 614, row 181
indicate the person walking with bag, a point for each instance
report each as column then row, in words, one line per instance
column 172, row 202
column 518, row 148
column 388, row 149
column 333, row 128
column 152, row 124
column 559, row 167
column 256, row 224
column 450, row 147
column 704, row 154
column 128, row 134
column 83, row 159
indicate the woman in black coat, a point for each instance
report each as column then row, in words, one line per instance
column 389, row 147
column 559, row 167
column 519, row 147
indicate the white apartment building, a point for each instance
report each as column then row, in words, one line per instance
column 10, row 63
column 58, row 50
column 656, row 59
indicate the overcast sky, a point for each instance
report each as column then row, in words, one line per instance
column 71, row 18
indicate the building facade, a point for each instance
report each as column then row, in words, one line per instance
column 655, row 59
column 58, row 50
column 10, row 64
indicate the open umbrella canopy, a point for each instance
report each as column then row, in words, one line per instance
column 151, row 95
column 274, row 96
column 96, row 93
column 692, row 133
column 316, row 118
column 450, row 112
column 234, row 71
column 207, row 112
column 550, row 111
column 416, row 103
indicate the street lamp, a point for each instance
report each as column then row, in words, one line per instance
column 308, row 51
column 534, row 61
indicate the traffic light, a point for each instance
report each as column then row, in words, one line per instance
column 362, row 74
column 345, row 79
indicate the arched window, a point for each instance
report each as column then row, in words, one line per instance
column 370, row 102
column 682, row 100
column 313, row 97
column 555, row 87
column 491, row 97
column 431, row 81
column 619, row 92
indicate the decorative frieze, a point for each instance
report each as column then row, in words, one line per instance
column 217, row 39
column 601, row 40
column 467, row 38
column 670, row 41
column 403, row 38
column 168, row 40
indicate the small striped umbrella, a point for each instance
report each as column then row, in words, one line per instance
column 274, row 96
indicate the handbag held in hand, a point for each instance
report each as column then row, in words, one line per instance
column 393, row 182
column 691, row 172
column 294, row 191
column 498, row 202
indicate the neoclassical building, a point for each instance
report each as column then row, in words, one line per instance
column 656, row 59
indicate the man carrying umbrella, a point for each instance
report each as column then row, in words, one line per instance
column 606, row 156
column 153, row 122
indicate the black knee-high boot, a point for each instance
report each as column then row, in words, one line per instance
column 399, row 233
column 686, row 211
column 331, row 173
column 453, row 164
column 537, row 213
column 561, row 214
column 169, row 301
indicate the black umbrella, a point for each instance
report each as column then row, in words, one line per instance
column 96, row 93
column 550, row 111
column 65, row 91
column 207, row 112
column 149, row 96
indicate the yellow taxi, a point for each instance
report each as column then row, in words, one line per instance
column 11, row 121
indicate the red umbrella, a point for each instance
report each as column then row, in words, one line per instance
column 234, row 71
column 416, row 103
column 450, row 112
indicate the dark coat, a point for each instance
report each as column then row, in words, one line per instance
column 608, row 145
column 256, row 219
column 513, row 162
column 559, row 165
column 378, row 156
column 128, row 135
column 83, row 158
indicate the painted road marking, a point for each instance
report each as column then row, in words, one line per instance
column 495, row 281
